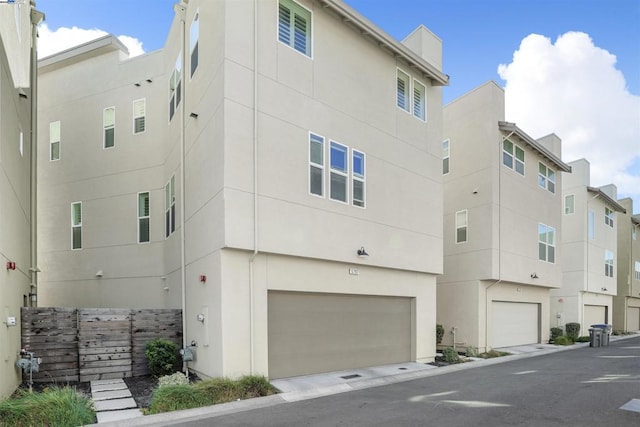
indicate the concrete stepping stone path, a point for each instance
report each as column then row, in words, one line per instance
column 113, row 401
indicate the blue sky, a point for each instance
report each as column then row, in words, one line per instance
column 580, row 39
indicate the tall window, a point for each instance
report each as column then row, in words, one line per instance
column 634, row 233
column 139, row 115
column 569, row 204
column 513, row 156
column 592, row 225
column 403, row 83
column 194, row 35
column 446, row 155
column 109, row 127
column 76, row 225
column 143, row 217
column 339, row 171
column 546, row 177
column 461, row 226
column 316, row 164
column 608, row 263
column 546, row 243
column 175, row 87
column 419, row 100
column 170, row 206
column 294, row 26
column 608, row 216
column 54, row 141
column 21, row 142
column 637, row 270
column 358, row 169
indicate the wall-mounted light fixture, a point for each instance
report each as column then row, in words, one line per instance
column 194, row 115
column 99, row 273
column 534, row 275
column 362, row 252
column 11, row 265
column 200, row 317
column 603, row 289
column 149, row 81
column 137, row 84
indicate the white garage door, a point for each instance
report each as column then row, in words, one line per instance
column 514, row 323
column 594, row 314
column 312, row 333
column 633, row 318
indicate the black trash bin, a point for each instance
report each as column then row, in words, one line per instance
column 605, row 332
column 595, row 337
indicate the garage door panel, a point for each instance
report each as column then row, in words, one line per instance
column 633, row 318
column 312, row 333
column 594, row 314
column 514, row 323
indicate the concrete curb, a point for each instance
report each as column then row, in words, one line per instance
column 177, row 417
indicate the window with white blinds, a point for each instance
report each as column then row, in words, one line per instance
column 76, row 225
column 54, row 141
column 109, row 127
column 143, row 217
column 139, row 115
column 419, row 100
column 294, row 26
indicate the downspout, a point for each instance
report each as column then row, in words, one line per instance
column 486, row 291
column 181, row 9
column 255, row 188
column 36, row 18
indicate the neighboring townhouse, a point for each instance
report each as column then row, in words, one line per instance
column 17, row 100
column 626, row 303
column 283, row 177
column 589, row 245
column 502, row 225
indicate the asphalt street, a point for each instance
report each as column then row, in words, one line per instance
column 581, row 387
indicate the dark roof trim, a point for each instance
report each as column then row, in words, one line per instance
column 386, row 41
column 635, row 219
column 512, row 128
column 615, row 205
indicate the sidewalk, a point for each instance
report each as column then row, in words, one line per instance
column 313, row 386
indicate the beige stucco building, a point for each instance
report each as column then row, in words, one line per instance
column 626, row 303
column 502, row 225
column 589, row 270
column 17, row 99
column 283, row 176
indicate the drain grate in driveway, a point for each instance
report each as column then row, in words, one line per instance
column 350, row 377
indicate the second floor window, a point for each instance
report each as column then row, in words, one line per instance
column 608, row 216
column 513, row 156
column 546, row 243
column 143, row 217
column 358, row 192
column 316, row 165
column 608, row 263
column 339, row 171
column 139, row 115
column 54, row 141
column 76, row 225
column 294, row 26
column 109, row 127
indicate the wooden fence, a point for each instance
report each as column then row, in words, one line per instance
column 83, row 344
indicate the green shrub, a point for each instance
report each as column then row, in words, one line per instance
column 471, row 352
column 56, row 406
column 439, row 333
column 255, row 386
column 563, row 340
column 573, row 330
column 162, row 357
column 583, row 339
column 450, row 355
column 555, row 333
column 493, row 353
column 177, row 397
column 177, row 378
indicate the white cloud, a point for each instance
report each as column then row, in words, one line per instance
column 573, row 89
column 53, row 41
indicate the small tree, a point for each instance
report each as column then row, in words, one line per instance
column 162, row 356
column 573, row 330
column 439, row 333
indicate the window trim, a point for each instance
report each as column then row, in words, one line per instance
column 514, row 158
column 446, row 155
column 321, row 167
column 609, row 216
column 464, row 226
column 292, row 5
column 52, row 141
column 423, row 117
column 144, row 115
column 106, row 127
column 408, row 96
column 609, row 257
column 76, row 226
column 573, row 204
column 360, row 178
column 344, row 174
column 547, row 230
column 194, row 47
column 141, row 217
